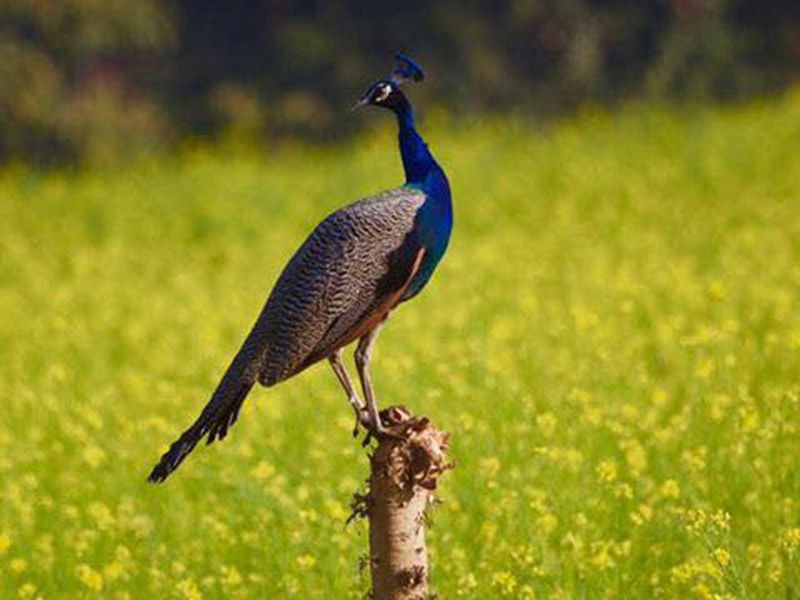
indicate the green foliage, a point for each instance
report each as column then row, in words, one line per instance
column 102, row 81
column 612, row 339
column 69, row 84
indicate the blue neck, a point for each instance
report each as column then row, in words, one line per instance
column 434, row 220
column 420, row 166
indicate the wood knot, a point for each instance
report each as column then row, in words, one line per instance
column 412, row 577
column 416, row 451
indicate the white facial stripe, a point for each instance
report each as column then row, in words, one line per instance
column 383, row 93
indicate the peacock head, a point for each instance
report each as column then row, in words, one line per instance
column 381, row 93
column 386, row 92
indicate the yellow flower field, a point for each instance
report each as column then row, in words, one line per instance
column 613, row 339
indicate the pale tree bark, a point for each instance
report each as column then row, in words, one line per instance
column 404, row 470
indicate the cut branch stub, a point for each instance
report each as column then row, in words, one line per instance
column 405, row 469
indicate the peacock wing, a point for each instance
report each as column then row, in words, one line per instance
column 351, row 263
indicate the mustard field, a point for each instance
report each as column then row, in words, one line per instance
column 613, row 340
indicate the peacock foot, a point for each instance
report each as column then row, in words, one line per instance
column 362, row 420
column 393, row 425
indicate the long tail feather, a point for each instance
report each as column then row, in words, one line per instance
column 217, row 417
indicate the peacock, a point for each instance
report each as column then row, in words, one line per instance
column 342, row 284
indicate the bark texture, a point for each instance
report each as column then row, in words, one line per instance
column 404, row 472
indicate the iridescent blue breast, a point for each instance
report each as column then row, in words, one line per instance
column 433, row 225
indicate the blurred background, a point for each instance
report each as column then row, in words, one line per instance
column 613, row 337
column 98, row 81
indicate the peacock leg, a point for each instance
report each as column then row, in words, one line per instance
column 363, row 355
column 344, row 379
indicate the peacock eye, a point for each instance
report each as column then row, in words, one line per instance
column 383, row 93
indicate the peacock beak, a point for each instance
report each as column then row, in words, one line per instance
column 360, row 104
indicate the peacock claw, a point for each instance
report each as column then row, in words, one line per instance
column 381, row 432
column 372, row 432
column 362, row 420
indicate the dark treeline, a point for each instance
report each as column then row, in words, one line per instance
column 101, row 79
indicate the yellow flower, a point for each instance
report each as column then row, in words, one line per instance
column 94, row 456
column 695, row 459
column 71, row 512
column 722, row 556
column 467, row 582
column 641, row 515
column 188, row 590
column 113, row 570
column 89, row 577
column 721, row 520
column 101, row 515
column 623, row 490
column 776, row 574
column 716, row 289
column 607, row 471
column 547, row 523
column 18, row 565
column 704, row 368
column 703, row 592
column 636, row 456
column 465, row 421
column 601, row 558
column 5, row 543
column 335, row 510
column 489, row 466
column 505, row 582
column 306, row 561
column 670, row 490
column 791, row 539
column 263, row 470
column 178, row 568
column 659, row 397
column 141, row 525
column 231, row 576
column 547, row 423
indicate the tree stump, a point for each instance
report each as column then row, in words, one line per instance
column 404, row 470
